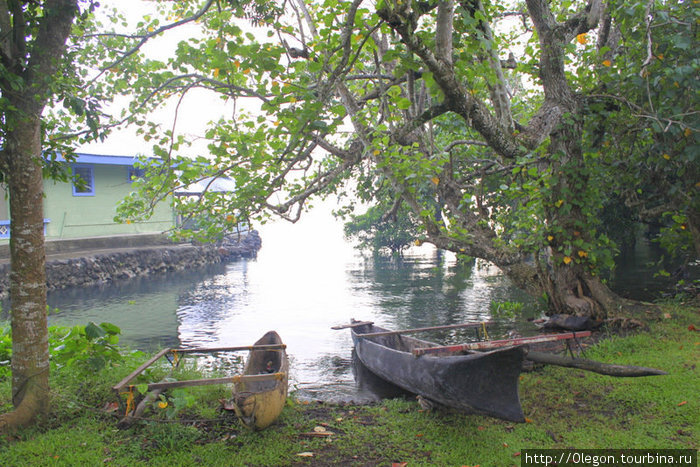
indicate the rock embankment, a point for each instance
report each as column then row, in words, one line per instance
column 91, row 268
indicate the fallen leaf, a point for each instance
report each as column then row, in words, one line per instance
column 682, row 403
column 516, row 454
column 667, row 315
column 399, row 464
column 111, row 407
column 319, row 429
column 480, row 428
column 528, row 420
column 305, row 454
column 419, row 435
column 692, row 328
column 505, row 445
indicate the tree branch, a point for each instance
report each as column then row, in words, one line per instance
column 474, row 112
column 146, row 37
column 443, row 32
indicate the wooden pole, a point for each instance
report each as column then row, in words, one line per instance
column 206, row 382
column 485, row 345
column 232, row 349
column 432, row 328
column 118, row 388
column 138, row 371
column 354, row 324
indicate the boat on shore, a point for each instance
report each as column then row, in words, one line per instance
column 260, row 395
column 483, row 383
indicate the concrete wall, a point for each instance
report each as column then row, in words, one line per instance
column 87, row 268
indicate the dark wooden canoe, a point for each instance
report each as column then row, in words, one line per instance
column 258, row 402
column 485, row 383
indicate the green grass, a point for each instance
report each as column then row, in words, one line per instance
column 565, row 408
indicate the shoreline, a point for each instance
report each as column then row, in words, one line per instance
column 105, row 265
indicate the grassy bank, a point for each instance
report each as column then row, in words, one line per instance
column 565, row 408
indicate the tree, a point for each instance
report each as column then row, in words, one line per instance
column 32, row 45
column 648, row 125
column 427, row 100
column 383, row 227
column 51, row 59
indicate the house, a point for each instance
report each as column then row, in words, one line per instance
column 74, row 210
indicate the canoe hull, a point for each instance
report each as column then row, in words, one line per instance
column 259, row 403
column 483, row 383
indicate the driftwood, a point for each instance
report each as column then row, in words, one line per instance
column 609, row 369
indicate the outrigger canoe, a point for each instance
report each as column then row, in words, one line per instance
column 484, row 383
column 259, row 400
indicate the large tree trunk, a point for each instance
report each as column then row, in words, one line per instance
column 30, row 348
column 33, row 60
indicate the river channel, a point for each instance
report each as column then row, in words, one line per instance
column 305, row 279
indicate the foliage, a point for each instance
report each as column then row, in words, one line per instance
column 644, row 120
column 176, row 401
column 86, row 348
column 5, row 351
column 414, row 105
column 374, row 231
column 506, row 309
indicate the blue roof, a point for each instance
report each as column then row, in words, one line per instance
column 82, row 158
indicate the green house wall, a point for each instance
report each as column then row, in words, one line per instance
column 69, row 216
column 73, row 216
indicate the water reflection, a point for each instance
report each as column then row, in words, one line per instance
column 303, row 281
column 144, row 308
column 301, row 297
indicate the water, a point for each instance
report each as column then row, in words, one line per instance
column 305, row 279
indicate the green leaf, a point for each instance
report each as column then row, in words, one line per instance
column 403, row 103
column 93, row 331
column 110, row 328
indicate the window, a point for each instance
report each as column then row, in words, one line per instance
column 132, row 173
column 83, row 180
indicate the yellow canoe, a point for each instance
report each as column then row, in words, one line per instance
column 259, row 397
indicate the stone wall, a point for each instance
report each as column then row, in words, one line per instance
column 90, row 269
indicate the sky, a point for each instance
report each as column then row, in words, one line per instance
column 198, row 107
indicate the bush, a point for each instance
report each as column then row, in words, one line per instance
column 88, row 348
column 5, row 351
